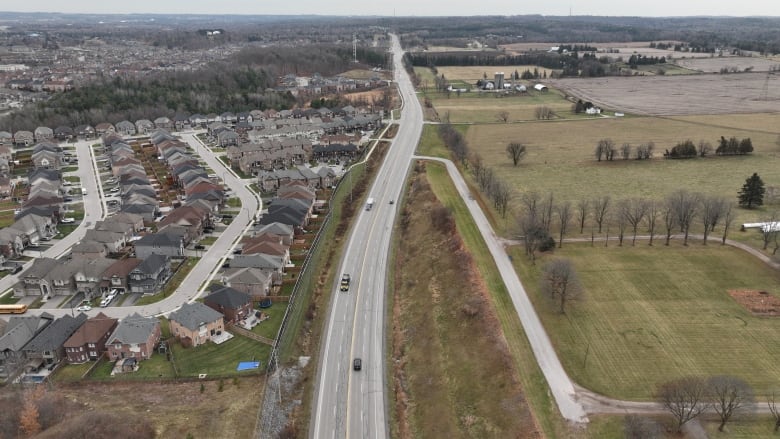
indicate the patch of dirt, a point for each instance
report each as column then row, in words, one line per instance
column 453, row 375
column 759, row 303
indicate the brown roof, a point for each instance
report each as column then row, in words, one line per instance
column 91, row 331
column 265, row 247
column 186, row 213
column 203, row 187
column 122, row 267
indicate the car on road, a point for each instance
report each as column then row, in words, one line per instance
column 392, row 201
column 345, row 281
column 84, row 308
column 357, row 364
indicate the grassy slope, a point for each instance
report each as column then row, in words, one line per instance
column 440, row 368
column 654, row 314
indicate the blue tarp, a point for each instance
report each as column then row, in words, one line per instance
column 248, row 365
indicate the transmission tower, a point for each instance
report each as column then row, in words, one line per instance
column 354, row 48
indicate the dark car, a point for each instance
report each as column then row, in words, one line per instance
column 67, row 199
column 357, row 364
column 200, row 247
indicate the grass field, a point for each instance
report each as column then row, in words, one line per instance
column 560, row 157
column 269, row 328
column 651, row 314
column 471, row 74
column 219, row 359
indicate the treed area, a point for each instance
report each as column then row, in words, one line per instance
column 243, row 82
column 444, row 302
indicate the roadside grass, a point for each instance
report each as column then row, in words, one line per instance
column 432, row 145
column 269, row 328
column 533, row 382
column 208, row 240
column 437, row 302
column 233, row 202
column 484, row 107
column 560, row 159
column 471, row 74
column 65, row 230
column 72, row 372
column 219, row 360
column 8, row 299
column 72, row 178
column 69, row 169
column 172, row 284
column 652, row 314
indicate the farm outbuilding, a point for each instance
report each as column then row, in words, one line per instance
column 540, row 87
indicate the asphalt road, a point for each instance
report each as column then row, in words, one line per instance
column 353, row 403
column 205, row 269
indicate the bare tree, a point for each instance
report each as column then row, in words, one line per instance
column 534, row 236
column 605, row 148
column 560, row 282
column 684, row 398
column 625, row 151
column 516, row 152
column 501, row 193
column 544, row 112
column 645, row 151
column 651, row 219
column 503, row 116
column 621, row 219
column 769, row 229
column 705, row 148
column 711, row 211
column 729, row 395
column 670, row 219
column 582, row 213
column 564, row 216
column 771, row 402
column 721, row 205
column 685, row 205
column 728, row 218
column 530, row 201
column 635, row 211
column 600, row 209
column 547, row 212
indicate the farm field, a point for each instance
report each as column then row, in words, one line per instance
column 471, row 74
column 651, row 314
column 678, row 94
column 560, row 157
column 484, row 107
column 713, row 65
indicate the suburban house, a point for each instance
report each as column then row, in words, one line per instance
column 126, row 128
column 134, row 337
column 47, row 347
column 150, row 275
column 112, row 240
column 253, row 281
column 19, row 331
column 234, row 305
column 282, row 230
column 266, row 244
column 269, row 263
column 89, row 250
column 168, row 244
column 117, row 275
column 144, row 126
column 88, row 275
column 89, row 341
column 35, row 281
column 43, row 134
column 24, row 138
column 195, row 323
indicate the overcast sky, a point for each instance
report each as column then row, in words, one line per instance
column 406, row 7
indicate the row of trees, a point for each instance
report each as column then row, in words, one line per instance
column 607, row 149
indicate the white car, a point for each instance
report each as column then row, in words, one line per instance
column 84, row 308
column 68, row 220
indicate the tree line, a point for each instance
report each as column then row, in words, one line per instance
column 607, row 150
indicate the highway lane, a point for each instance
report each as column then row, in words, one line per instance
column 353, row 403
column 203, row 271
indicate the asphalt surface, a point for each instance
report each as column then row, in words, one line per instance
column 204, row 270
column 349, row 403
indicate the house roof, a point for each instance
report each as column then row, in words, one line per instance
column 227, row 297
column 159, row 240
column 21, row 329
column 54, row 335
column 276, row 228
column 121, row 268
column 193, row 315
column 88, row 247
column 152, row 264
column 41, row 267
column 258, row 260
column 133, row 329
column 247, row 275
column 91, row 331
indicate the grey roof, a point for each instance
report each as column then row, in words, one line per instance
column 21, row 329
column 133, row 329
column 152, row 264
column 227, row 297
column 193, row 315
column 248, row 275
column 257, row 260
column 276, row 228
column 41, row 267
column 159, row 240
column 54, row 335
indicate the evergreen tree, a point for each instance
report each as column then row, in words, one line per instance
column 752, row 193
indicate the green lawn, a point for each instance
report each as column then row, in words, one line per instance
column 220, row 359
column 233, row 202
column 748, row 427
column 270, row 327
column 155, row 367
column 65, row 229
column 69, row 169
column 652, row 314
column 172, row 284
column 72, row 372
column 8, row 299
column 72, row 179
column 208, row 240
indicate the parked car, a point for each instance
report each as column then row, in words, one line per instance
column 84, row 308
column 200, row 247
column 68, row 220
